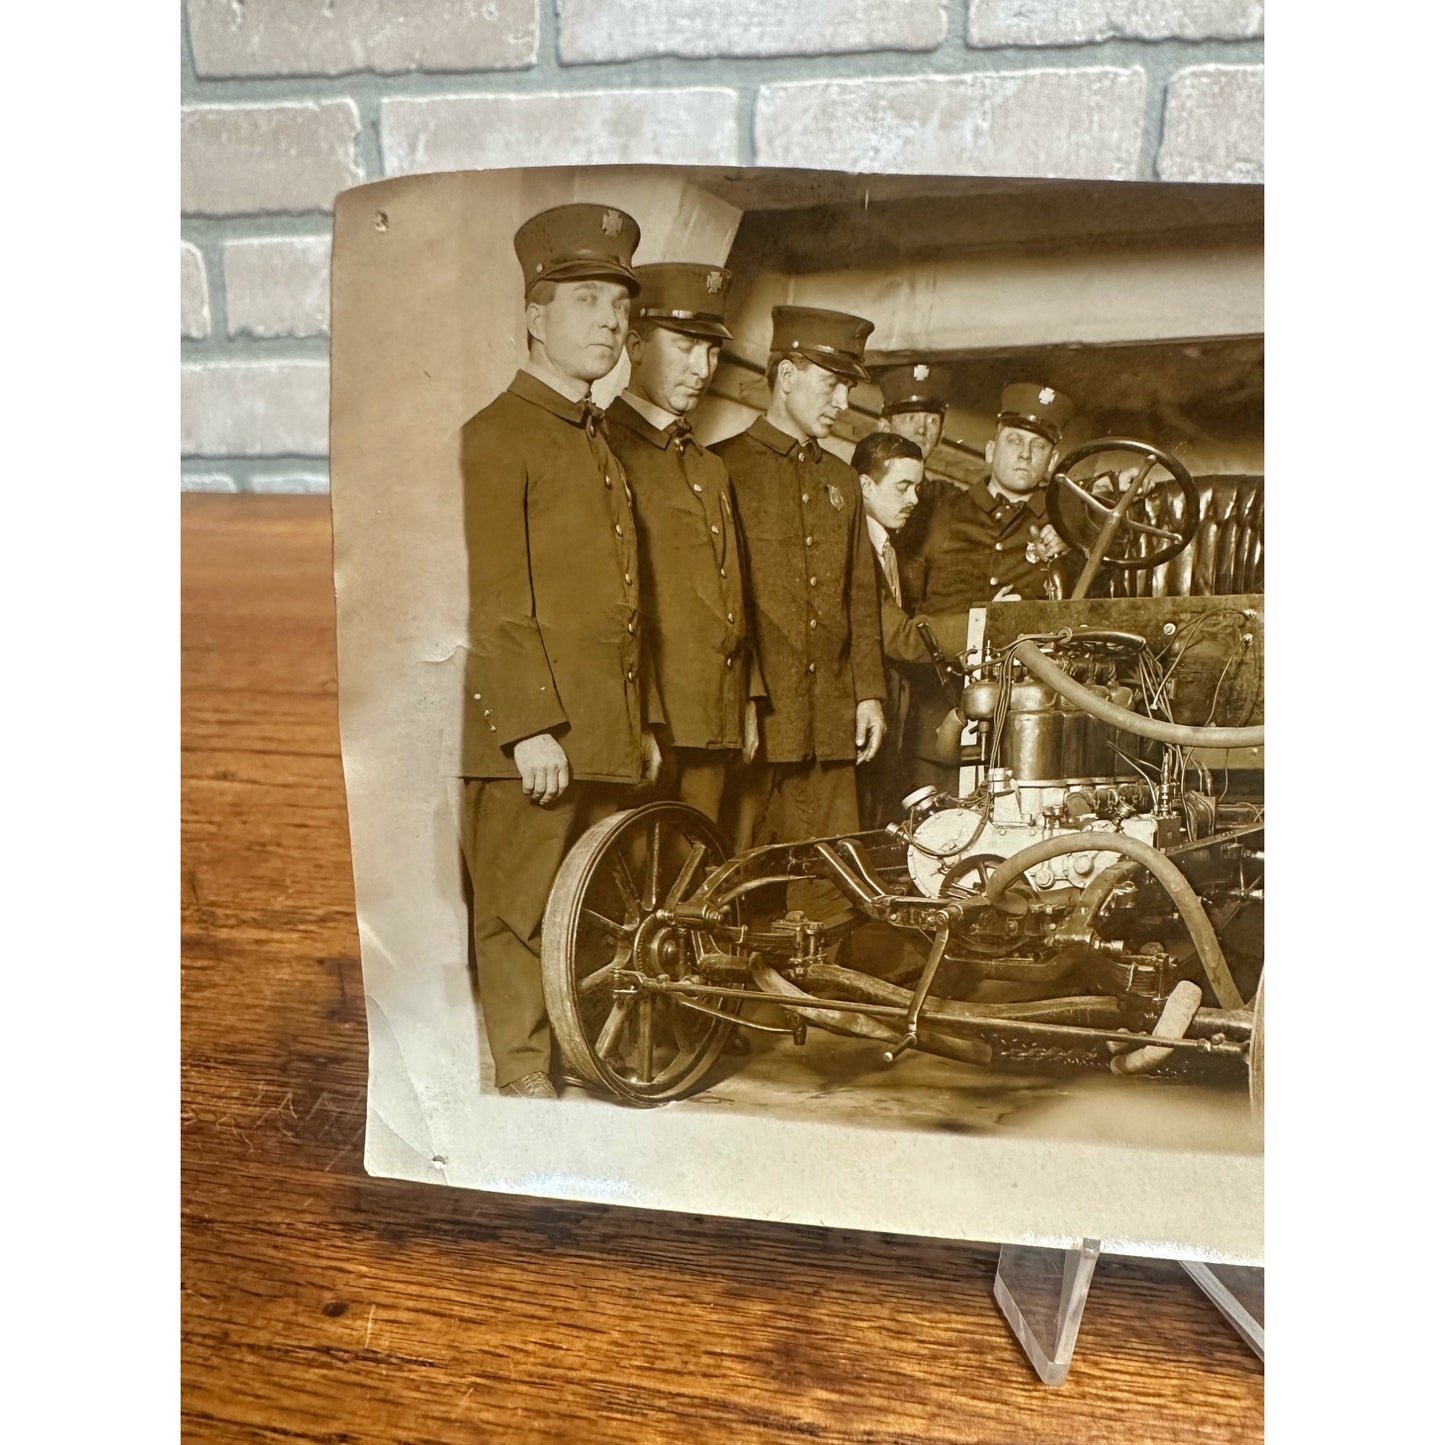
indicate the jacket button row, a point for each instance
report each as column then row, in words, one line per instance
column 730, row 617
column 627, row 578
column 812, row 622
column 728, row 662
column 807, row 541
column 697, row 489
column 805, row 496
column 714, row 529
column 812, row 581
column 632, row 628
column 812, row 667
column 631, row 676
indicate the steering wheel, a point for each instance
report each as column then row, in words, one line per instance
column 1155, row 528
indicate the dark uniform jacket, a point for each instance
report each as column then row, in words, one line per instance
column 555, row 638
column 974, row 546
column 693, row 603
column 814, row 592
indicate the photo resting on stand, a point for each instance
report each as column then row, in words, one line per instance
column 801, row 674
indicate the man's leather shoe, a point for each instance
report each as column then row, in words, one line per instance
column 530, row 1086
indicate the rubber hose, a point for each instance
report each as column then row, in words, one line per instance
column 1105, row 711
column 1174, row 883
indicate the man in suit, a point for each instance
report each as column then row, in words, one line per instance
column 561, row 707
column 812, row 583
column 693, row 604
column 890, row 473
column 915, row 405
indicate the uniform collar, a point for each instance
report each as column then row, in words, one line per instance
column 772, row 437
column 567, row 386
column 657, row 416
column 541, row 391
column 987, row 501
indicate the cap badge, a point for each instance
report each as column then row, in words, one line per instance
column 611, row 223
column 715, row 281
column 1046, row 394
column 835, row 496
column 920, row 372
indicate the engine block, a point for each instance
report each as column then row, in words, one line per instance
column 950, row 848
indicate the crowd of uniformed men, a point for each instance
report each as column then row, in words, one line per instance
column 734, row 626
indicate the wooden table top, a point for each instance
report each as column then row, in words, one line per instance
column 323, row 1305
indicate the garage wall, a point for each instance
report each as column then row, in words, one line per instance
column 287, row 102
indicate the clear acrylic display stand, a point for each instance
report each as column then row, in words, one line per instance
column 1237, row 1292
column 1042, row 1293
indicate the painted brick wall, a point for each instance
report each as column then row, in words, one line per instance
column 286, row 102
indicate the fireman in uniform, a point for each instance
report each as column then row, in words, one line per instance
column 561, row 707
column 693, row 604
column 989, row 541
column 812, row 584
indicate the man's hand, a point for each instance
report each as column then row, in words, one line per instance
column 543, row 766
column 651, row 758
column 1049, row 543
column 750, row 730
column 868, row 729
column 1007, row 593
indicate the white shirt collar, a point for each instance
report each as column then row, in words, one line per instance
column 567, row 386
column 878, row 535
column 659, row 416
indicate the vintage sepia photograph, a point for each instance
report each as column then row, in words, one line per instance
column 801, row 673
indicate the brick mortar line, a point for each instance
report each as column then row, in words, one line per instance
column 664, row 73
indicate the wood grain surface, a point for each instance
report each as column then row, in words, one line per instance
column 322, row 1305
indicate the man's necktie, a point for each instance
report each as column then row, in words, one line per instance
column 680, row 433
column 890, row 570
column 592, row 415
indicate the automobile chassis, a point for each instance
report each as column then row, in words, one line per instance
column 1093, row 894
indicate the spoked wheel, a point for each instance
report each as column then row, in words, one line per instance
column 607, row 918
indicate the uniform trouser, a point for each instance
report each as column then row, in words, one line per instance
column 798, row 801
column 695, row 776
column 513, row 849
column 883, row 783
column 791, row 802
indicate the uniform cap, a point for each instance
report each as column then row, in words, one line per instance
column 831, row 339
column 1036, row 408
column 683, row 296
column 579, row 242
column 913, row 386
